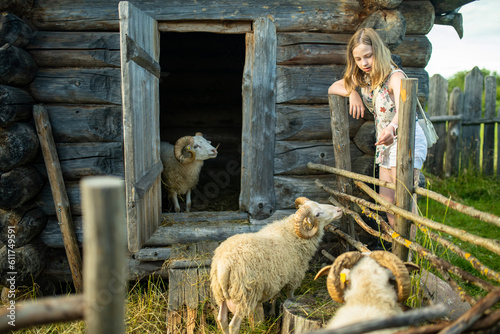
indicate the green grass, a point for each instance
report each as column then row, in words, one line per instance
column 479, row 192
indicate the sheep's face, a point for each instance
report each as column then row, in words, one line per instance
column 324, row 214
column 203, row 148
column 312, row 216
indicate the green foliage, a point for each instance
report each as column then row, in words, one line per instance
column 458, row 80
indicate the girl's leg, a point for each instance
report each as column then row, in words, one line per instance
column 388, row 175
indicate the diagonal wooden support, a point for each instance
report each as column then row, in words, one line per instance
column 61, row 201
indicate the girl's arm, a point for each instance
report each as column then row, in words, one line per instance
column 387, row 135
column 356, row 107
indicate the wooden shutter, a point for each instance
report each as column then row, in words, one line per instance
column 139, row 44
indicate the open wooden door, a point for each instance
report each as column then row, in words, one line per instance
column 140, row 51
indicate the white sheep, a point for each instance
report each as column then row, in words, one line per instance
column 251, row 268
column 182, row 164
column 367, row 279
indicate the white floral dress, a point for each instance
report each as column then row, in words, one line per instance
column 385, row 110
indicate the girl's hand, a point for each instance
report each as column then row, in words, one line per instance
column 386, row 136
column 356, row 107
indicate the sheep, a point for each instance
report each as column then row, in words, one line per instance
column 182, row 164
column 251, row 268
column 367, row 279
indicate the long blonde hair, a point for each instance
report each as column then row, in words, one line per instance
column 381, row 66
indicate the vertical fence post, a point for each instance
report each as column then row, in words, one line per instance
column 472, row 111
column 339, row 118
column 437, row 106
column 405, row 159
column 453, row 138
column 105, row 245
column 490, row 94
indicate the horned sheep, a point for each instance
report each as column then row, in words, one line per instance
column 182, row 164
column 251, row 268
column 364, row 282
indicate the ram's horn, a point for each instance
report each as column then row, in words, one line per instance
column 300, row 201
column 183, row 145
column 398, row 268
column 198, row 134
column 304, row 228
column 335, row 283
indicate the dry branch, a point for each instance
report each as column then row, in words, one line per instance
column 43, row 311
column 488, row 321
column 490, row 273
column 433, row 259
column 490, row 244
column 413, row 317
column 472, row 315
column 358, row 245
column 484, row 216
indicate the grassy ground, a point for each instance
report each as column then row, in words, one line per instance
column 479, row 192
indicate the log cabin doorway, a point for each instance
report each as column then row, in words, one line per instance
column 200, row 91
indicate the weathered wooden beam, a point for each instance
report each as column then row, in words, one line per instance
column 16, row 105
column 454, row 138
column 309, row 84
column 471, row 139
column 59, row 194
column 327, row 49
column 19, row 145
column 334, row 16
column 105, row 247
column 44, row 311
column 17, row 67
column 405, row 160
column 291, row 157
column 490, row 89
column 259, row 121
column 218, row 27
column 26, row 222
column 13, row 30
column 86, row 123
column 287, row 187
column 19, row 185
column 437, row 105
column 308, row 122
column 340, row 140
column 86, row 159
column 77, row 85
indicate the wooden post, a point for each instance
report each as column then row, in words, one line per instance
column 490, row 94
column 105, row 246
column 54, row 172
column 405, row 160
column 437, row 106
column 453, row 138
column 472, row 112
column 339, row 117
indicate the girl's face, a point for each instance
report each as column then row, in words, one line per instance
column 363, row 56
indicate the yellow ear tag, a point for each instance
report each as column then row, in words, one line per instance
column 188, row 147
column 342, row 277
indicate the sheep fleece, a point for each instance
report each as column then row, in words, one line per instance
column 251, row 268
column 178, row 177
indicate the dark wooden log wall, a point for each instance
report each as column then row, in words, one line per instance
column 21, row 220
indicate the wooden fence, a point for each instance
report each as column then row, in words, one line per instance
column 457, row 119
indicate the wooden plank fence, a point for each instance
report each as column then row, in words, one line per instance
column 457, row 119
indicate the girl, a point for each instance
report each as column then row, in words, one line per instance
column 370, row 67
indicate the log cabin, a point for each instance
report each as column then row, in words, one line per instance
column 116, row 78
